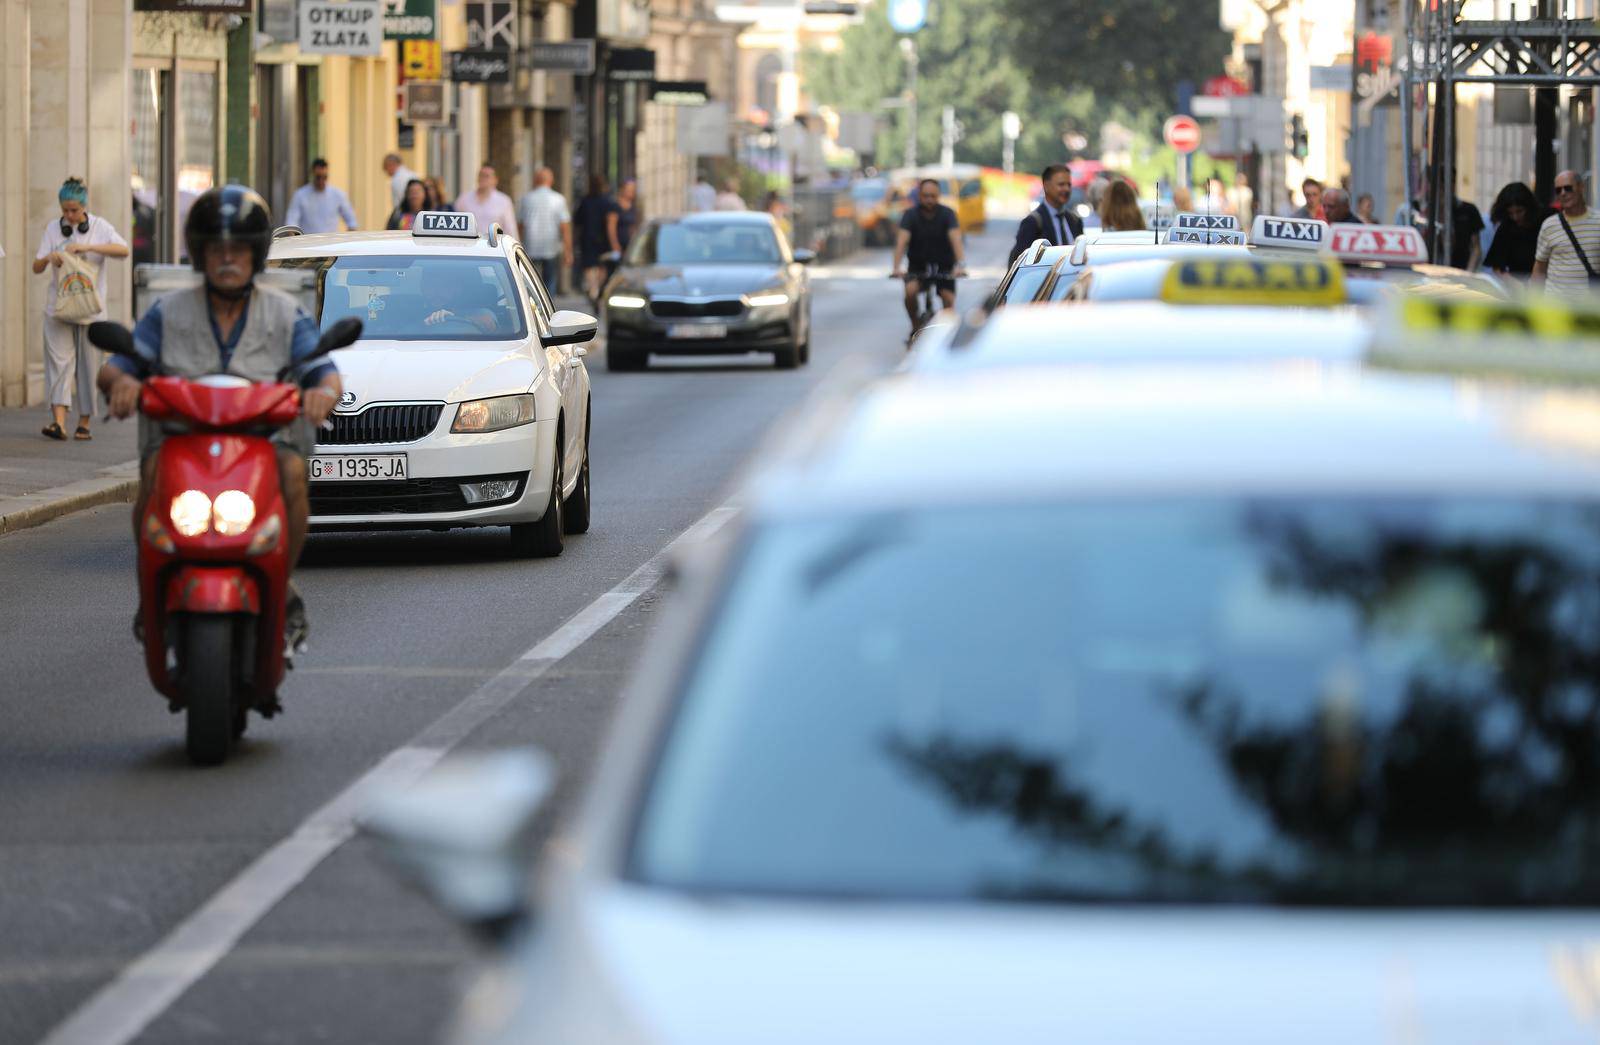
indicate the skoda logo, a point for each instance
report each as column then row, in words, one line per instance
column 347, row 400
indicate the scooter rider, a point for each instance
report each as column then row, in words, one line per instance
column 229, row 325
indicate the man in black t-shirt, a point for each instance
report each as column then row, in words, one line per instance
column 929, row 239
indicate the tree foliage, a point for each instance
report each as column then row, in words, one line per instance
column 1134, row 52
column 984, row 57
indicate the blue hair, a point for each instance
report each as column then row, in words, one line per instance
column 73, row 189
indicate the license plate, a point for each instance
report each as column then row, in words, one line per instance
column 697, row 331
column 359, row 468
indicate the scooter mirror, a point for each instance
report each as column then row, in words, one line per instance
column 112, row 337
column 342, row 334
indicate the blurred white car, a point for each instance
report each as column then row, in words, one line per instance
column 1223, row 703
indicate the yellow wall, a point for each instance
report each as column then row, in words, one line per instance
column 358, row 129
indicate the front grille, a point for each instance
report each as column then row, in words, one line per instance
column 382, row 424
column 406, row 497
column 726, row 309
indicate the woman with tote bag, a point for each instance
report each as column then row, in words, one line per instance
column 74, row 249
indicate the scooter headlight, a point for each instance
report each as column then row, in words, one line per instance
column 191, row 513
column 233, row 512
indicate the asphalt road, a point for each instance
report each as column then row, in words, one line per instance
column 109, row 839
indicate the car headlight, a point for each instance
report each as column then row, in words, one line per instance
column 626, row 301
column 191, row 513
column 492, row 415
column 232, row 512
column 768, row 299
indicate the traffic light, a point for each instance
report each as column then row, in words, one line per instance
column 1299, row 140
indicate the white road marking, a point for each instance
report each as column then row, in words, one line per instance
column 147, row 987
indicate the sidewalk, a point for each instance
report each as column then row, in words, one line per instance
column 42, row 479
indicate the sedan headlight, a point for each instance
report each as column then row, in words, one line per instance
column 767, row 299
column 232, row 512
column 492, row 415
column 191, row 513
column 626, row 301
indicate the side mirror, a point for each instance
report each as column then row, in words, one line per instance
column 464, row 833
column 112, row 337
column 342, row 334
column 804, row 255
column 571, row 328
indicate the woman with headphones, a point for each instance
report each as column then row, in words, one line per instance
column 70, row 362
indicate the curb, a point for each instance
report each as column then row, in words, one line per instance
column 116, row 484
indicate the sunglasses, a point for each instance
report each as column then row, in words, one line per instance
column 1566, row 188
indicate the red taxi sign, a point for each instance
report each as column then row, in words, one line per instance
column 1385, row 244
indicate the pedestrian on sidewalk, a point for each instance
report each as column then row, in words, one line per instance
column 1568, row 251
column 317, row 206
column 399, row 177
column 546, row 228
column 414, row 202
column 1311, row 194
column 1516, row 217
column 1119, row 208
column 729, row 198
column 438, row 199
column 628, row 214
column 702, row 197
column 596, row 221
column 488, row 204
column 70, row 362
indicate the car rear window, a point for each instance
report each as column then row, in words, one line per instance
column 1345, row 701
column 418, row 298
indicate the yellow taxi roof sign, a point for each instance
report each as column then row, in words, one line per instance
column 1533, row 338
column 1312, row 282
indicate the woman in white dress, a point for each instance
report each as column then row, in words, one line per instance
column 70, row 362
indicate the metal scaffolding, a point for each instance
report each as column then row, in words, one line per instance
column 1547, row 51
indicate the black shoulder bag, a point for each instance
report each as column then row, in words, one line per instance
column 1594, row 277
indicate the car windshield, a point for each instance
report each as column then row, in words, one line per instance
column 412, row 298
column 1328, row 702
column 707, row 243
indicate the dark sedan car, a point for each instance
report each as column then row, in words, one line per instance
column 709, row 284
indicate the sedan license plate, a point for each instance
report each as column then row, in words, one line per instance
column 697, row 331
column 359, row 468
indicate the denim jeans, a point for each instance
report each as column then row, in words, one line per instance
column 549, row 270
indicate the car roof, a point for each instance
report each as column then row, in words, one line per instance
column 1034, row 434
column 1150, row 332
column 718, row 217
column 374, row 244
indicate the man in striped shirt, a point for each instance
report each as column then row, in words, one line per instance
column 1557, row 262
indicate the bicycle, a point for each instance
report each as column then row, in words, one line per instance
column 929, row 279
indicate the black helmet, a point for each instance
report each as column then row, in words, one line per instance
column 229, row 214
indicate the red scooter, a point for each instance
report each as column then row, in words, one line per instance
column 213, row 547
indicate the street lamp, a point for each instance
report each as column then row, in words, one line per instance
column 908, row 17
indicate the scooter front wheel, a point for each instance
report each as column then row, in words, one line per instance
column 207, row 646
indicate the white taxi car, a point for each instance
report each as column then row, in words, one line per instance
column 1217, row 704
column 466, row 400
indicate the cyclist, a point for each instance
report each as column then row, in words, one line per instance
column 930, row 239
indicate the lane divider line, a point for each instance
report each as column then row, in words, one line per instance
column 146, row 988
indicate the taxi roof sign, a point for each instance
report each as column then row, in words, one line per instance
column 1293, row 233
column 1541, row 339
column 1384, row 244
column 1205, row 237
column 445, row 223
column 1211, row 222
column 1239, row 281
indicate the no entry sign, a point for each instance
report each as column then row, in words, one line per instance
column 1182, row 133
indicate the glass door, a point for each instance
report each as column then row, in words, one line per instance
column 151, row 128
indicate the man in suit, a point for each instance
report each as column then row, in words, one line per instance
column 1053, row 220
